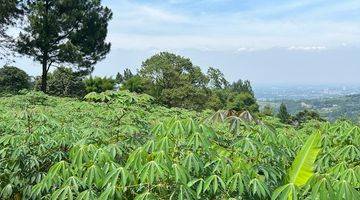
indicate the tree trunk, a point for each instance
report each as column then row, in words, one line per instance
column 45, row 67
column 44, row 74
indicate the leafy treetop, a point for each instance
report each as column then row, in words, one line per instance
column 65, row 32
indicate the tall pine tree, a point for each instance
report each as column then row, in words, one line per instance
column 65, row 32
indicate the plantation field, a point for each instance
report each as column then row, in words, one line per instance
column 120, row 145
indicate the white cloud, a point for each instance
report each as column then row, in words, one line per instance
column 149, row 13
column 245, row 49
column 147, row 26
column 253, row 35
column 277, row 8
column 129, row 14
column 307, row 48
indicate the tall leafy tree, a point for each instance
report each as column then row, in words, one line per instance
column 175, row 81
column 241, row 86
column 217, row 79
column 283, row 114
column 127, row 74
column 119, row 78
column 65, row 32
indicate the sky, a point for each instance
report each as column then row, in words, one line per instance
column 267, row 42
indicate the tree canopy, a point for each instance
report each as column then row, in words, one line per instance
column 99, row 84
column 64, row 82
column 217, row 79
column 174, row 80
column 65, row 32
column 13, row 79
column 283, row 114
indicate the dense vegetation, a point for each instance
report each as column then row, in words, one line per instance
column 171, row 79
column 120, row 145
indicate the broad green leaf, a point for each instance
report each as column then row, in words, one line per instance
column 302, row 167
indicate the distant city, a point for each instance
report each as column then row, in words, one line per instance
column 298, row 92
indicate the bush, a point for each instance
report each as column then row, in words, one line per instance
column 307, row 115
column 99, row 84
column 283, row 114
column 13, row 79
column 65, row 83
column 268, row 111
column 136, row 84
column 243, row 101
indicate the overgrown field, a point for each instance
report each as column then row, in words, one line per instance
column 123, row 146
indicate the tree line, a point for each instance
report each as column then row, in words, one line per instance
column 173, row 80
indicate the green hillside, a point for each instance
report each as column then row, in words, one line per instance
column 330, row 108
column 120, row 145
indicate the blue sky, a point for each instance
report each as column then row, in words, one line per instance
column 266, row 41
column 235, row 24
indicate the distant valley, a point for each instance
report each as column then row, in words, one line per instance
column 331, row 102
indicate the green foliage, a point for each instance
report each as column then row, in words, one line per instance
column 13, row 79
column 127, row 74
column 99, row 84
column 302, row 168
column 175, row 81
column 283, row 114
column 242, row 87
column 217, row 79
column 268, row 110
column 65, row 32
column 242, row 102
column 64, row 82
column 121, row 78
column 124, row 97
column 306, row 115
column 119, row 145
column 10, row 11
column 136, row 84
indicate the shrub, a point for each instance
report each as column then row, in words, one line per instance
column 65, row 83
column 99, row 84
column 243, row 101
